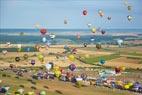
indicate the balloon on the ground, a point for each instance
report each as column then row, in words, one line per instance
column 98, row 46
column 41, row 57
column 71, row 57
column 4, row 52
column 48, row 66
column 102, row 61
column 33, row 62
column 84, row 12
column 17, row 59
column 43, row 31
column 25, row 56
column 42, row 93
column 72, row 67
column 129, row 17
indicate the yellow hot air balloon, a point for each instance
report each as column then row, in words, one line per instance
column 30, row 93
column 94, row 30
column 122, row 68
column 57, row 73
column 71, row 57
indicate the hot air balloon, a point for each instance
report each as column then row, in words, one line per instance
column 44, row 39
column 129, row 8
column 65, row 21
column 109, row 18
column 71, row 57
column 41, row 57
column 102, row 61
column 84, row 12
column 78, row 36
column 119, row 42
column 93, row 30
column 92, row 39
column 52, row 36
column 98, row 46
column 103, row 31
column 101, row 13
column 33, row 62
column 43, row 93
column 72, row 67
column 48, row 66
column 85, row 44
column 4, row 52
column 129, row 17
column 43, row 31
column 25, row 56
column 89, row 25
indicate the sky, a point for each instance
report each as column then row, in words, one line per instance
column 52, row 13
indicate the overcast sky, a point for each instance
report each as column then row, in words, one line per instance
column 51, row 13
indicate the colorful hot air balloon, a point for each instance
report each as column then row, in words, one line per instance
column 85, row 12
column 101, row 13
column 43, row 31
column 72, row 67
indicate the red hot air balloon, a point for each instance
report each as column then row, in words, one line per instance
column 84, row 12
column 43, row 31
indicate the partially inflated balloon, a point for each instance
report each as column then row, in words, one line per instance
column 72, row 67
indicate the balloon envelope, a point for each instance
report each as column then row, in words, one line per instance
column 93, row 30
column 44, row 39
